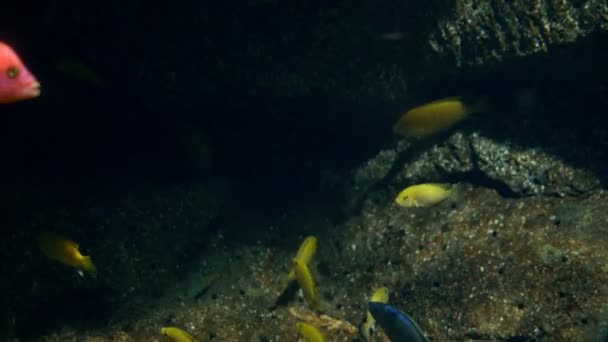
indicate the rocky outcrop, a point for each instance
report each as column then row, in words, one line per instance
column 481, row 32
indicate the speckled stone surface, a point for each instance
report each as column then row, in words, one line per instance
column 482, row 32
column 514, row 170
column 475, row 267
column 525, row 171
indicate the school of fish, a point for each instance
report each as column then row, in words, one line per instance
column 397, row 326
column 17, row 83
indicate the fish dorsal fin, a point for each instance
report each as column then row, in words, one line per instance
column 446, row 99
column 73, row 244
column 444, row 186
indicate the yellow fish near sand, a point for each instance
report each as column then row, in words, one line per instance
column 65, row 251
column 309, row 332
column 368, row 327
column 305, row 252
column 435, row 116
column 306, row 282
column 423, row 195
column 176, row 334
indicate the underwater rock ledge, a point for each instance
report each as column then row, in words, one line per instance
column 512, row 170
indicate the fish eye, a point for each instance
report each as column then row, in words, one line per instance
column 12, row 72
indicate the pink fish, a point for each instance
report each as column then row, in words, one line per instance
column 16, row 81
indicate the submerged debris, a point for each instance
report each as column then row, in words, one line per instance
column 324, row 321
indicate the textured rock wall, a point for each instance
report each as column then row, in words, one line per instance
column 482, row 32
column 361, row 50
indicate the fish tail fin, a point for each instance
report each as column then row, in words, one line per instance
column 454, row 193
column 287, row 280
column 88, row 266
column 291, row 276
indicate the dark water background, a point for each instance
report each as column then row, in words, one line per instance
column 170, row 66
column 77, row 135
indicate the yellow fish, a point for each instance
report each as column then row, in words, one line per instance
column 65, row 251
column 176, row 334
column 305, row 252
column 435, row 116
column 368, row 327
column 307, row 284
column 309, row 332
column 380, row 295
column 422, row 195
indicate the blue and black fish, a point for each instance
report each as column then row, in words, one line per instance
column 398, row 326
